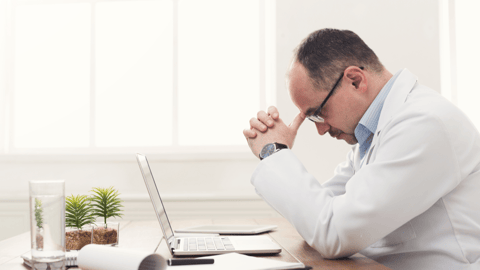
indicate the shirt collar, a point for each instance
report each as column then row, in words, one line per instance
column 368, row 123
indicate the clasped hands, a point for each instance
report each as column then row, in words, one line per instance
column 268, row 127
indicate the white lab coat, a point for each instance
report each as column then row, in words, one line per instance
column 414, row 201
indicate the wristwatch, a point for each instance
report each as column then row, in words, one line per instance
column 270, row 149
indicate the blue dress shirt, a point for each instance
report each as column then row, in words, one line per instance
column 368, row 124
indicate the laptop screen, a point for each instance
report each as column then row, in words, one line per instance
column 155, row 197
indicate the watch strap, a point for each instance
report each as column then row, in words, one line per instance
column 278, row 147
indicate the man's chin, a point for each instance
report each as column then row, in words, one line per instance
column 350, row 139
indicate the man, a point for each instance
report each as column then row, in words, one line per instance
column 408, row 195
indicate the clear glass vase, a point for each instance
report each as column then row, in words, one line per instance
column 106, row 233
column 76, row 238
column 47, row 222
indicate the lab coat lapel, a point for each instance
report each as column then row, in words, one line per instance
column 357, row 160
column 398, row 95
column 402, row 86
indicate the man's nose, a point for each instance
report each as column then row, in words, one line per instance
column 322, row 128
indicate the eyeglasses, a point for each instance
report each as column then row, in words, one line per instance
column 314, row 117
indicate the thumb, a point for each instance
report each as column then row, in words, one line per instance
column 295, row 125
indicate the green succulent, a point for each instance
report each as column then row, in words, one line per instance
column 78, row 211
column 105, row 203
column 38, row 213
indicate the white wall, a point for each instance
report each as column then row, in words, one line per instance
column 402, row 33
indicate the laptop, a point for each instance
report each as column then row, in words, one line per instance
column 228, row 229
column 199, row 245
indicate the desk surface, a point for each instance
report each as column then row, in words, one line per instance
column 146, row 236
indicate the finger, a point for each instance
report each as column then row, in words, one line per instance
column 297, row 122
column 273, row 112
column 249, row 133
column 265, row 118
column 255, row 123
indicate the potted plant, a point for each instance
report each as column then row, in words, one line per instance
column 78, row 217
column 39, row 222
column 106, row 204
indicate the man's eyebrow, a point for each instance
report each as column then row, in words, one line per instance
column 310, row 111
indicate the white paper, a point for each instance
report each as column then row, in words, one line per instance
column 98, row 257
column 234, row 261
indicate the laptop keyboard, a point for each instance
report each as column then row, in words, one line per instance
column 207, row 243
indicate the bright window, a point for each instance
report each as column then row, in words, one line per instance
column 51, row 76
column 460, row 55
column 133, row 71
column 468, row 57
column 96, row 75
column 228, row 56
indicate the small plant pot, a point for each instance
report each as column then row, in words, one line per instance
column 106, row 234
column 76, row 239
column 39, row 238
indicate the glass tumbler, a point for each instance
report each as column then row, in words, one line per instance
column 47, row 223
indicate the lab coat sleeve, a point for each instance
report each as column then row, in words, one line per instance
column 415, row 165
column 343, row 172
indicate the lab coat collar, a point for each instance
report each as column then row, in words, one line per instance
column 402, row 86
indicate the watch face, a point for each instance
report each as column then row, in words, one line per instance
column 267, row 150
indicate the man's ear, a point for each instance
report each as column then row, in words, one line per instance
column 357, row 78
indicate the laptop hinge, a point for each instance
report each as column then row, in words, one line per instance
column 174, row 244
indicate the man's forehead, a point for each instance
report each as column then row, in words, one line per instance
column 306, row 99
column 301, row 89
column 298, row 80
